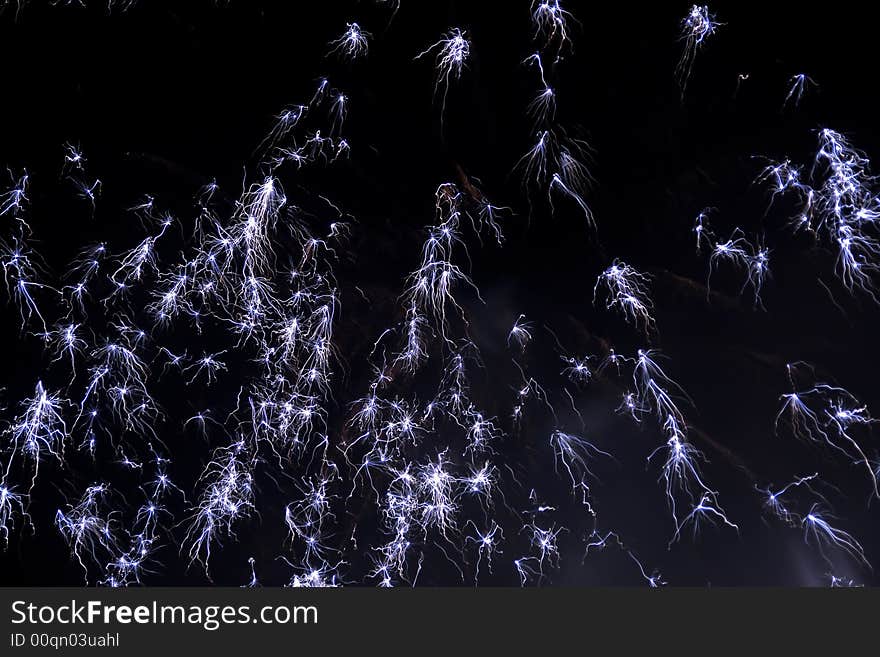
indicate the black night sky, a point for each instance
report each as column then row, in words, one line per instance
column 165, row 97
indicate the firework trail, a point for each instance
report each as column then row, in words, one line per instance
column 411, row 436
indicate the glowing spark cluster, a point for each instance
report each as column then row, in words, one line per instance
column 421, row 431
column 696, row 27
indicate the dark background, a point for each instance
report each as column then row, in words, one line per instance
column 169, row 95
